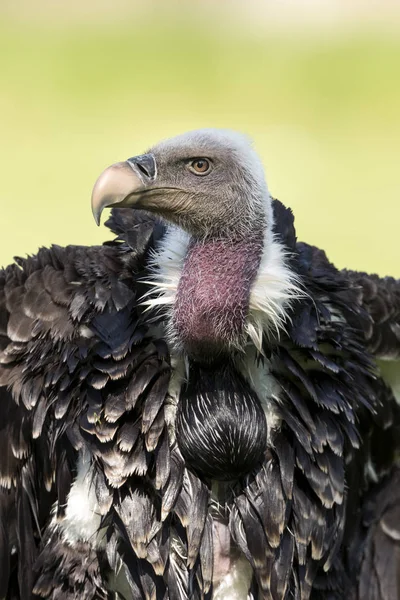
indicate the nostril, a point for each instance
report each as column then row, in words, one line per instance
column 146, row 164
column 143, row 169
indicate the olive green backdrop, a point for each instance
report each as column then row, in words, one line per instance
column 321, row 102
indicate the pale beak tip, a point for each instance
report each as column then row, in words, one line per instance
column 96, row 215
column 96, row 210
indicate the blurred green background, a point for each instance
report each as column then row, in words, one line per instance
column 87, row 84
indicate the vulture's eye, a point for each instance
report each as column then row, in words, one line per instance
column 200, row 166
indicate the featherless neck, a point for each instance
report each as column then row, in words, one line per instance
column 213, row 295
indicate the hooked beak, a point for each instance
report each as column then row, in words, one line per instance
column 123, row 184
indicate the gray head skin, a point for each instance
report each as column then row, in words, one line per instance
column 229, row 200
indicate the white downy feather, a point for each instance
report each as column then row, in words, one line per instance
column 82, row 516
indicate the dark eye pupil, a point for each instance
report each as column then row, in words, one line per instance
column 200, row 165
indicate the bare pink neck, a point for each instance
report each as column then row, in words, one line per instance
column 213, row 295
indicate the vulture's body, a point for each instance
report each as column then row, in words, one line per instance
column 197, row 409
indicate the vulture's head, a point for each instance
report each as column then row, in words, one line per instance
column 209, row 182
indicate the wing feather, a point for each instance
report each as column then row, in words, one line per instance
column 380, row 566
column 80, row 370
column 380, row 298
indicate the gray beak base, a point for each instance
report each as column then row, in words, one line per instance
column 122, row 183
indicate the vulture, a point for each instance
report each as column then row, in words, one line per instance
column 203, row 407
